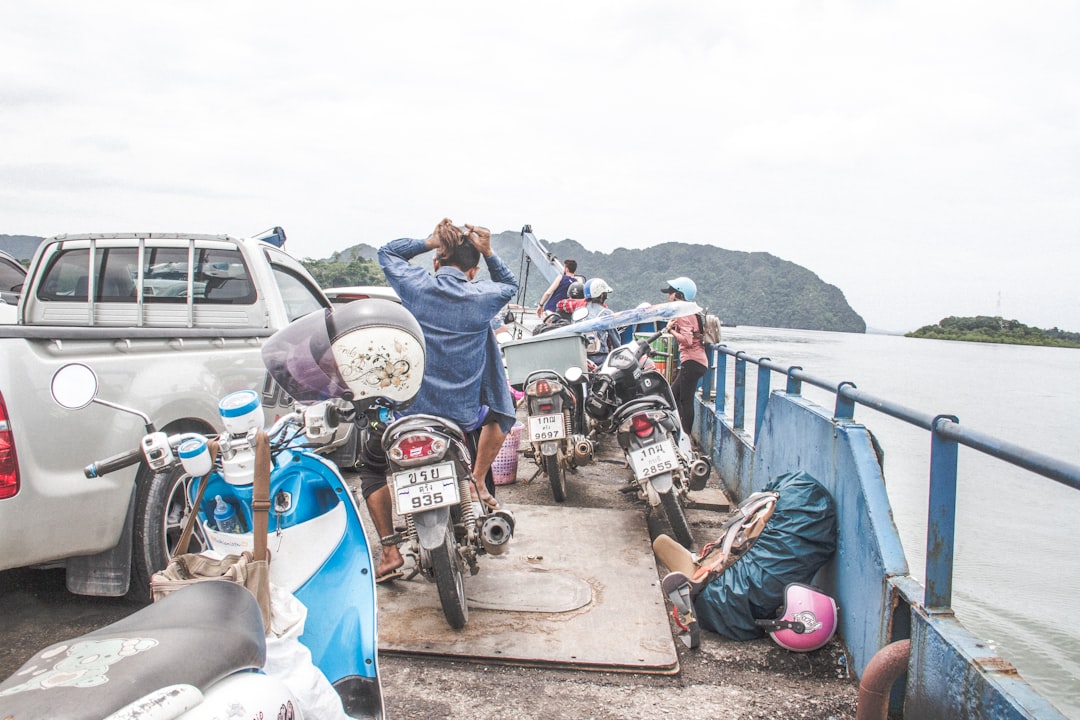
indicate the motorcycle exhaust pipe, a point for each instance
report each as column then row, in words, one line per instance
column 496, row 531
column 583, row 450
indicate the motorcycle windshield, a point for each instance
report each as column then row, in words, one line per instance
column 300, row 360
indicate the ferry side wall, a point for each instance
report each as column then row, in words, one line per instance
column 951, row 675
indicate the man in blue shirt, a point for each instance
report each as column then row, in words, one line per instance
column 463, row 368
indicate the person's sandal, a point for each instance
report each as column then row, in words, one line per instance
column 678, row 588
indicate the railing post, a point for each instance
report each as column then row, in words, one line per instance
column 941, row 519
column 764, row 379
column 738, row 416
column 794, row 385
column 845, row 409
column 721, row 381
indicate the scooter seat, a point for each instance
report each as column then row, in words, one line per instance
column 195, row 636
column 649, row 402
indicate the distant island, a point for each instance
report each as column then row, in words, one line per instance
column 996, row 330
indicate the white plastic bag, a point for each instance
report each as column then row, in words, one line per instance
column 288, row 660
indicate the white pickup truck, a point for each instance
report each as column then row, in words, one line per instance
column 170, row 323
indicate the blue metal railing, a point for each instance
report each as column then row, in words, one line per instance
column 946, row 437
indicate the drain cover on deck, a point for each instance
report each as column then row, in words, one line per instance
column 578, row 588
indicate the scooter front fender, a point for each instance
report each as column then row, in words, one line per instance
column 431, row 527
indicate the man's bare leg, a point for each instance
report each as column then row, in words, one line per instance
column 382, row 514
column 487, row 449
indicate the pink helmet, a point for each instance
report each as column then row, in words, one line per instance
column 807, row 620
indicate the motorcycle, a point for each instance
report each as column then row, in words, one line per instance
column 627, row 396
column 428, row 461
column 319, row 554
column 557, row 425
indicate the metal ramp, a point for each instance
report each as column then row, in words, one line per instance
column 578, row 589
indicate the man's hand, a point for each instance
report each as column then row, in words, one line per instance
column 481, row 239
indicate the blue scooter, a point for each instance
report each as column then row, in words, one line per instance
column 318, row 548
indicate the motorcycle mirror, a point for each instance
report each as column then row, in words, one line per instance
column 74, row 386
column 579, row 313
column 573, row 374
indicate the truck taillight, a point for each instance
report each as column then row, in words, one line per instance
column 9, row 467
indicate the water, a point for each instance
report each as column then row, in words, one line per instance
column 1016, row 578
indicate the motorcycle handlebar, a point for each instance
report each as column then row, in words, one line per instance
column 114, row 463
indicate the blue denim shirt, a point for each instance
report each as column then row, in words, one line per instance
column 464, row 367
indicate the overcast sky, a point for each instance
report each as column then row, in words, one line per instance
column 924, row 157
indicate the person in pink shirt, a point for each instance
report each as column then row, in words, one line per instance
column 692, row 359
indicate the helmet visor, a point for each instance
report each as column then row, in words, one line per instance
column 299, row 359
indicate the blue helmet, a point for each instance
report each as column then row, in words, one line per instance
column 682, row 285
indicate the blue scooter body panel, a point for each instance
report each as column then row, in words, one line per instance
column 341, row 629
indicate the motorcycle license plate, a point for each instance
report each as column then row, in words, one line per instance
column 425, row 488
column 546, row 427
column 653, row 459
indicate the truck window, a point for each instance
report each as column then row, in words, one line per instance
column 68, row 276
column 299, row 298
column 221, row 277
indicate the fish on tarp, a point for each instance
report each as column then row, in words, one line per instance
column 624, row 318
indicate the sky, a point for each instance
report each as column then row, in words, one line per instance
column 922, row 156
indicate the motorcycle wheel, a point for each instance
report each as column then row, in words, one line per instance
column 676, row 516
column 160, row 512
column 450, row 581
column 557, row 476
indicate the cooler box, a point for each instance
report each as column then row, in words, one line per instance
column 666, row 350
column 543, row 353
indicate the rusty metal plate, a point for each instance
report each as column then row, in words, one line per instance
column 577, row 589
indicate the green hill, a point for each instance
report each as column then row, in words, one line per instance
column 742, row 288
column 983, row 328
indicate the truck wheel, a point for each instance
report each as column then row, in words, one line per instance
column 160, row 513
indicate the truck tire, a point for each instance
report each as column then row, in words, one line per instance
column 160, row 512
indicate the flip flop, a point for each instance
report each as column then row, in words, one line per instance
column 390, row 576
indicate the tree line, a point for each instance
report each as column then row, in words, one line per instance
column 983, row 328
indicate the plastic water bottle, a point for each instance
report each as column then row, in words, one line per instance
column 225, row 517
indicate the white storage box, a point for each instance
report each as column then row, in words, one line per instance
column 541, row 352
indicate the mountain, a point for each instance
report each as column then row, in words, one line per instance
column 742, row 288
column 20, row 247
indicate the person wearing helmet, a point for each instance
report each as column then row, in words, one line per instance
column 464, row 368
column 692, row 359
column 600, row 342
column 575, row 298
column 558, row 288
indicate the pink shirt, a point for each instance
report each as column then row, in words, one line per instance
column 687, row 334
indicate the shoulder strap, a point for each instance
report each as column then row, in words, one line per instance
column 260, row 494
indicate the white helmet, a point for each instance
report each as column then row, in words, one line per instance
column 596, row 287
column 363, row 350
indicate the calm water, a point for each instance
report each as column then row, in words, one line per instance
column 1016, row 575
